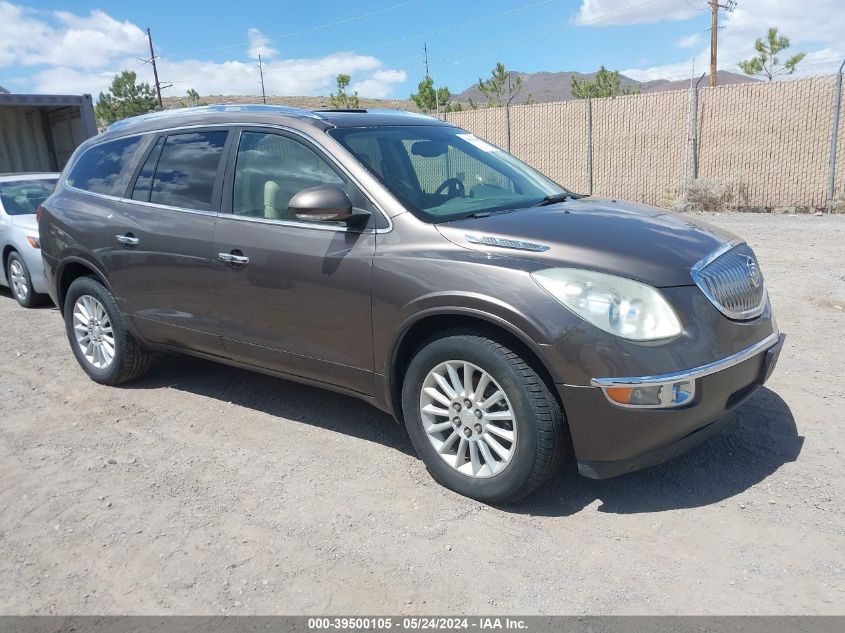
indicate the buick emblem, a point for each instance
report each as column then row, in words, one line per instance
column 753, row 272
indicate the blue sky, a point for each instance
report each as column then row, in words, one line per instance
column 211, row 46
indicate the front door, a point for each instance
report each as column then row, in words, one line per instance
column 298, row 296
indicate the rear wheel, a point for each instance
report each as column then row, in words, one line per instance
column 97, row 332
column 20, row 282
column 481, row 418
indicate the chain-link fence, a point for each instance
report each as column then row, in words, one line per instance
column 767, row 145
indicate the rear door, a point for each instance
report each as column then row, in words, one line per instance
column 161, row 258
column 301, row 304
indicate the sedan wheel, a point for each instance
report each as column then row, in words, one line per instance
column 18, row 280
column 468, row 418
column 93, row 330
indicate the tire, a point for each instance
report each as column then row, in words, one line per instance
column 20, row 282
column 538, row 431
column 129, row 359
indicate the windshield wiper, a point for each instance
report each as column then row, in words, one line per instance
column 487, row 214
column 558, row 197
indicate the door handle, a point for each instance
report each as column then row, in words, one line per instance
column 232, row 258
column 128, row 239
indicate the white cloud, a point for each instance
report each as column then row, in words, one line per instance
column 260, row 45
column 613, row 12
column 379, row 85
column 28, row 39
column 814, row 27
column 63, row 52
column 690, row 40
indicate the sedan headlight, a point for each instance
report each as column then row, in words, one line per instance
column 624, row 307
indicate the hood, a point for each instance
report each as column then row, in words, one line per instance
column 636, row 241
column 26, row 222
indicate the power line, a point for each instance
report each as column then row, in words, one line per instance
column 410, row 37
column 309, row 29
column 513, row 42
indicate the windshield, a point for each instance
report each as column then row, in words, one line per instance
column 445, row 173
column 21, row 197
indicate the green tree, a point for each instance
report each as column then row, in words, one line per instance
column 342, row 99
column 605, row 83
column 429, row 99
column 126, row 97
column 499, row 89
column 193, row 99
column 766, row 61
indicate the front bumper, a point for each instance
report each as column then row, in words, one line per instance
column 610, row 440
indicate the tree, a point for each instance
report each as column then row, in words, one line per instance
column 126, row 97
column 605, row 83
column 499, row 89
column 342, row 99
column 193, row 99
column 766, row 61
column 430, row 99
column 3, row 90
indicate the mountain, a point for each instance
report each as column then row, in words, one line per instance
column 546, row 86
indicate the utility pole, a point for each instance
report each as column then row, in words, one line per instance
column 729, row 6
column 155, row 69
column 261, row 72
column 436, row 98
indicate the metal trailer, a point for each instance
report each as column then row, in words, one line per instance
column 38, row 133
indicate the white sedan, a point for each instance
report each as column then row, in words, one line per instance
column 20, row 247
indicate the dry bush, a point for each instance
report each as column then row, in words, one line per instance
column 703, row 194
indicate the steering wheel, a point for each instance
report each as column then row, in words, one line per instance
column 455, row 188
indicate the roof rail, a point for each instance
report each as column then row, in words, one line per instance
column 360, row 110
column 247, row 107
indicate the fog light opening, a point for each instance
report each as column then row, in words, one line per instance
column 655, row 396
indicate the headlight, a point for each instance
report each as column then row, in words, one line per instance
column 34, row 242
column 629, row 309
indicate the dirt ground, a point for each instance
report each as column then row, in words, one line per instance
column 206, row 489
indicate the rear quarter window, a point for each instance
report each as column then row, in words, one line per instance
column 107, row 167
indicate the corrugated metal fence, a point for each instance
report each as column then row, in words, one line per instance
column 768, row 142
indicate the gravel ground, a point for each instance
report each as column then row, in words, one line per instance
column 206, row 489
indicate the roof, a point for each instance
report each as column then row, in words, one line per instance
column 31, row 100
column 268, row 114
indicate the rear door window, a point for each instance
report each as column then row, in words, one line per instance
column 106, row 168
column 186, row 173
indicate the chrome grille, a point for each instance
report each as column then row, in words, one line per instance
column 732, row 280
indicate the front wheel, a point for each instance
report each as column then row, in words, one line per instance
column 481, row 419
column 98, row 335
column 20, row 282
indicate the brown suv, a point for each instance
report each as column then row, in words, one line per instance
column 510, row 323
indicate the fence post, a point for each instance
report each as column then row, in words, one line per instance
column 508, row 125
column 831, row 172
column 694, row 131
column 589, row 146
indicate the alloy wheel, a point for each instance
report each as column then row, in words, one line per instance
column 93, row 330
column 468, row 418
column 17, row 280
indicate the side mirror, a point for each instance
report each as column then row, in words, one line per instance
column 321, row 203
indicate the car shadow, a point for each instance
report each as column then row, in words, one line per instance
column 277, row 397
column 761, row 438
column 46, row 304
